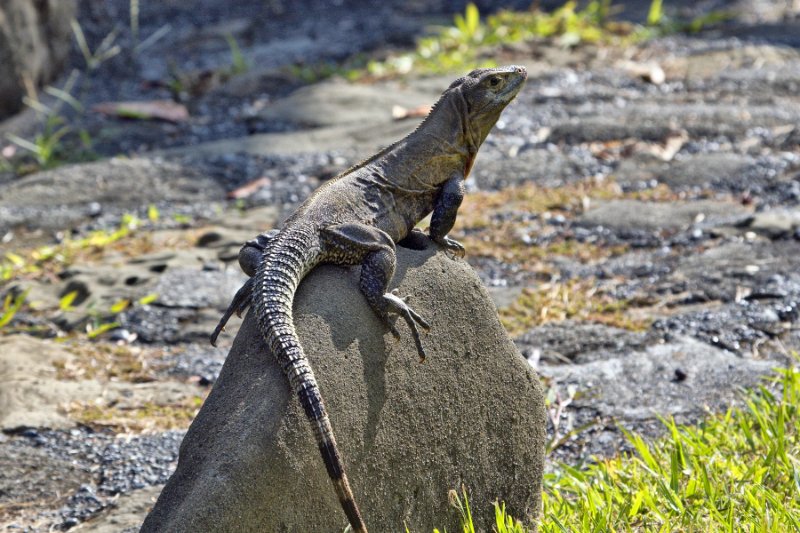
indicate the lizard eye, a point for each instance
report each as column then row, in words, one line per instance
column 494, row 81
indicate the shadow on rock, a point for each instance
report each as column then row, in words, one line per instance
column 472, row 414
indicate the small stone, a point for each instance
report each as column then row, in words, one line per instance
column 69, row 522
column 777, row 223
column 208, row 238
column 122, row 335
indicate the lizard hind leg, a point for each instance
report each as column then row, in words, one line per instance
column 252, row 253
column 250, row 256
column 376, row 252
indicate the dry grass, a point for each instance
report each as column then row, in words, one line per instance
column 105, row 361
column 574, row 299
column 128, row 242
column 145, row 418
column 505, row 224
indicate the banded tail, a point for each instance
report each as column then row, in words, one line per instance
column 275, row 284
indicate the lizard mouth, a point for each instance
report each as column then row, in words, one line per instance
column 516, row 81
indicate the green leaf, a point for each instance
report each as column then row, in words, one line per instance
column 119, row 306
column 655, row 14
column 22, row 143
column 152, row 213
column 65, row 303
column 11, row 305
column 472, row 19
column 14, row 258
column 637, row 503
column 102, row 328
column 148, row 299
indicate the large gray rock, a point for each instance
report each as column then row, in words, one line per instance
column 655, row 216
column 333, row 115
column 34, row 42
column 681, row 378
column 472, row 414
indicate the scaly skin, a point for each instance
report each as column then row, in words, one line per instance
column 356, row 219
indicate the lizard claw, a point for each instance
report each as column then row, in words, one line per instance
column 405, row 299
column 452, row 246
column 399, row 306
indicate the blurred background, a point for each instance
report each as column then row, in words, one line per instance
column 634, row 214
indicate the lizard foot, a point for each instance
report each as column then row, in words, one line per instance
column 452, row 246
column 399, row 306
column 239, row 304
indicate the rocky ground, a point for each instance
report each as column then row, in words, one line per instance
column 641, row 237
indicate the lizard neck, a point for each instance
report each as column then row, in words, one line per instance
column 449, row 125
column 443, row 145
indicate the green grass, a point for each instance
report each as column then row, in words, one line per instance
column 502, row 522
column 738, row 471
column 468, row 43
column 474, row 40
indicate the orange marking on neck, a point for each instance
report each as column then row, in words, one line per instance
column 468, row 165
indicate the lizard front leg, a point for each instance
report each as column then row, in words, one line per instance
column 375, row 250
column 250, row 256
column 444, row 214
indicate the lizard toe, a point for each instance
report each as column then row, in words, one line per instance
column 452, row 246
column 412, row 318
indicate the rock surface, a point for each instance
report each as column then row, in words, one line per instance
column 79, row 192
column 623, row 214
column 125, row 514
column 33, row 395
column 472, row 414
column 34, row 41
column 655, row 380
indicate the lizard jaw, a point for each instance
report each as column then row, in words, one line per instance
column 517, row 80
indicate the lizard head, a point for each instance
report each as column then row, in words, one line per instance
column 487, row 91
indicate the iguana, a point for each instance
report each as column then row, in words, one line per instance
column 356, row 219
